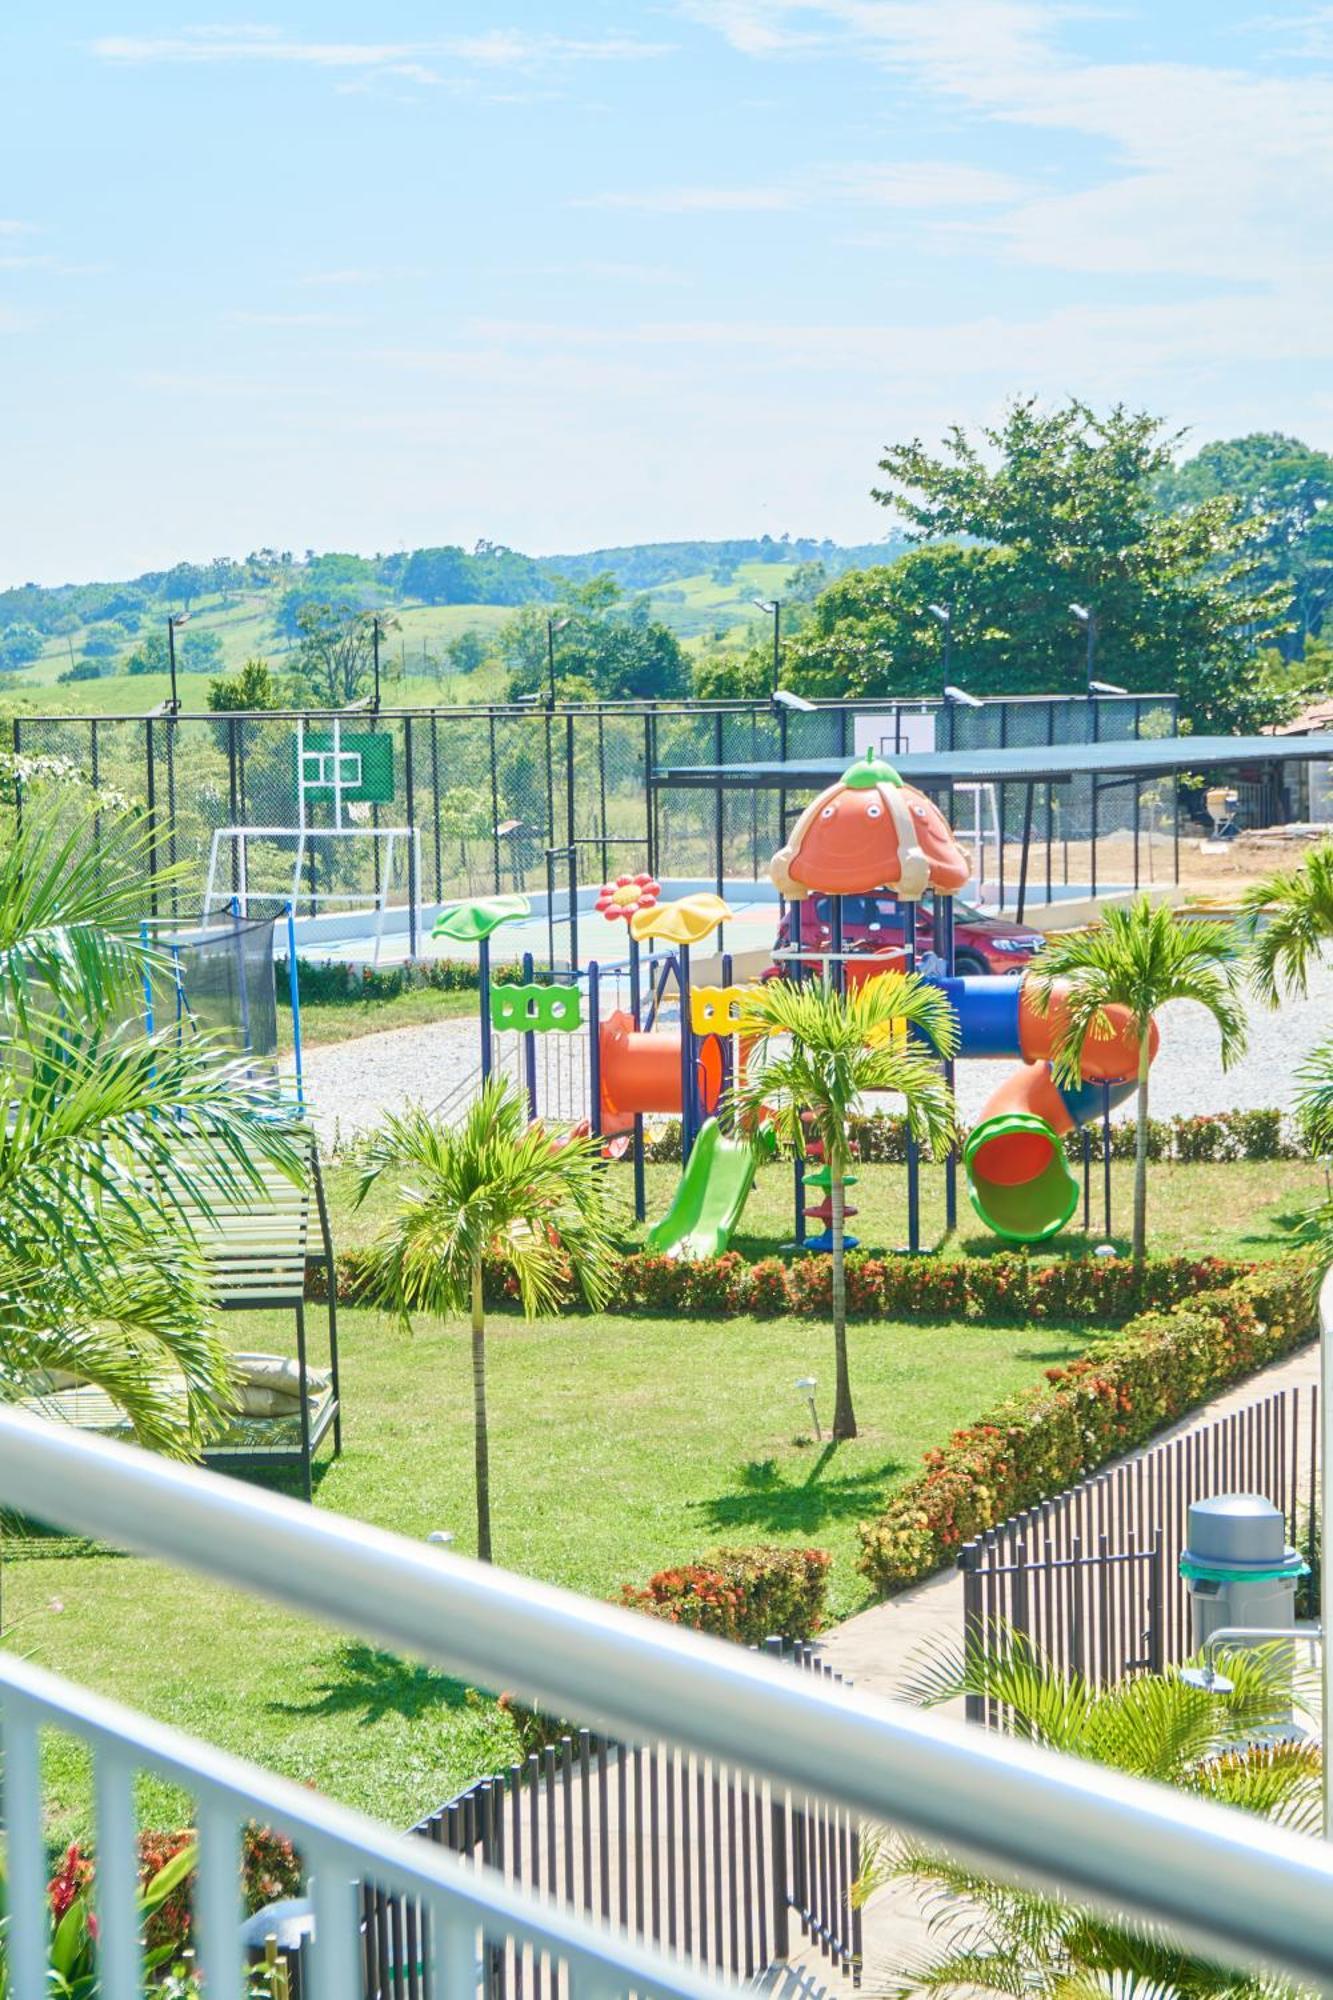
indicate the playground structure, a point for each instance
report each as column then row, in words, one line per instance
column 600, row 1068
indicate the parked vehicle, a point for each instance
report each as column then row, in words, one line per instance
column 874, row 925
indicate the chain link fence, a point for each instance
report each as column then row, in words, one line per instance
column 498, row 797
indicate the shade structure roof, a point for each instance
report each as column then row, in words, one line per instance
column 1046, row 763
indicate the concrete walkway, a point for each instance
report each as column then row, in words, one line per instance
column 879, row 1649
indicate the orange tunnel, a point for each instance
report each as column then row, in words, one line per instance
column 641, row 1072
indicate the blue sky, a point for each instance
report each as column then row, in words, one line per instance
column 368, row 276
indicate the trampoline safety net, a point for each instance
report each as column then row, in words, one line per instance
column 214, row 977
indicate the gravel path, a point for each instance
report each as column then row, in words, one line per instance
column 351, row 1085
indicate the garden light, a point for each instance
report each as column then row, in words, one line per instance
column 806, row 1386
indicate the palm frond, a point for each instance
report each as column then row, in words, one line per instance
column 1286, row 919
column 492, row 1187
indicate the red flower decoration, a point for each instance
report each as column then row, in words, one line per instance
column 627, row 895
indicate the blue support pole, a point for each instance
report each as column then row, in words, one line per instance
column 797, row 973
column 913, row 1150
column 530, row 1048
column 944, row 946
column 484, row 983
column 147, row 980
column 1106, row 1154
column 726, row 1041
column 636, row 1009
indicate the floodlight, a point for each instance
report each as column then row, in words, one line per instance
column 785, row 699
column 1105, row 687
column 961, row 696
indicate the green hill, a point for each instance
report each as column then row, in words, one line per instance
column 242, row 609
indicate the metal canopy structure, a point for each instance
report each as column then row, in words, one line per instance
column 1046, row 764
column 1087, row 770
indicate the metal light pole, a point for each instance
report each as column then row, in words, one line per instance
column 553, row 625
column 176, row 618
column 945, row 616
column 375, row 635
column 774, row 611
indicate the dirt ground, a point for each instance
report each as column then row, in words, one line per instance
column 1203, row 869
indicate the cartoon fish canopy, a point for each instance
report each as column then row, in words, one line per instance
column 870, row 831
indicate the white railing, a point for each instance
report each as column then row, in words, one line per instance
column 1235, row 1887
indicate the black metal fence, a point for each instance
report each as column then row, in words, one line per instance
column 702, row 1859
column 1092, row 1577
column 489, row 792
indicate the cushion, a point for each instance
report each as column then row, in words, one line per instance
column 281, row 1372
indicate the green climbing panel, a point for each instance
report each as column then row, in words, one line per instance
column 537, row 1008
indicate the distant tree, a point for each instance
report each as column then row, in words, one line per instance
column 618, row 652
column 804, row 583
column 1049, row 509
column 182, row 584
column 149, row 656
column 1285, row 488
column 199, row 653
column 467, row 651
column 334, row 661
column 254, row 687
column 20, row 645
column 83, row 670
column 744, row 676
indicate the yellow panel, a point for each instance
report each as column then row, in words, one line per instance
column 716, row 1010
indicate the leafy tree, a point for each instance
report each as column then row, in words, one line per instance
column 83, row 670
column 467, row 650
column 149, row 656
column 99, row 1275
column 992, row 1937
column 815, row 1053
column 615, row 651
column 1137, row 958
column 1047, row 510
column 1284, row 487
column 491, row 1190
column 254, row 687
column 182, row 584
column 335, row 659
column 199, row 653
column 20, row 644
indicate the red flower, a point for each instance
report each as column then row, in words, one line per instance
column 627, row 895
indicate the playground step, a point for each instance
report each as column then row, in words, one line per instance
column 825, row 1242
column 822, row 1178
column 824, row 1213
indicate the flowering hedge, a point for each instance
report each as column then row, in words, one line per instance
column 880, row 1139
column 1045, row 1439
column 270, row 1869
column 741, row 1594
column 1007, row 1286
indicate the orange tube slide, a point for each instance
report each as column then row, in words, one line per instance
column 641, row 1072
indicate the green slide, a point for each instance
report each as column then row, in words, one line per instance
column 711, row 1195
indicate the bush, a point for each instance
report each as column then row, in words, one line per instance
column 748, row 1595
column 270, row 1869
column 331, row 985
column 1220, row 1135
column 1164, row 1362
column 1009, row 1286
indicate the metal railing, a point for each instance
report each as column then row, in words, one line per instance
column 1235, row 1888
column 1092, row 1576
column 677, row 1849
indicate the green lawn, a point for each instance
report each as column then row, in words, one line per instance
column 349, row 1021
column 618, row 1445
column 1221, row 1210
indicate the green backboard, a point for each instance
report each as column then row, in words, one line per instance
column 365, row 766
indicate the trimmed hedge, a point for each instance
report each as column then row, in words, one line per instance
column 1008, row 1286
column 321, row 985
column 1045, row 1439
column 742, row 1594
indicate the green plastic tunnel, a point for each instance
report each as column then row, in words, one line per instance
column 1020, row 1183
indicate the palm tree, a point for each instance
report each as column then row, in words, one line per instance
column 998, row 1938
column 1285, row 919
column 110, row 1137
column 818, row 1052
column 1136, row 959
column 488, row 1189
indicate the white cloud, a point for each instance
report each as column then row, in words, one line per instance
column 500, row 48
column 10, row 227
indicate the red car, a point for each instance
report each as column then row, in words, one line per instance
column 874, row 924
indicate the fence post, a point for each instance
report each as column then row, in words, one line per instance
column 969, row 1562
column 152, row 816
column 413, row 868
column 1156, row 1581
column 779, row 1820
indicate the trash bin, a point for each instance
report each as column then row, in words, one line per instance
column 1238, row 1566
